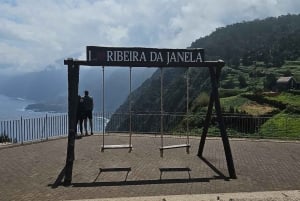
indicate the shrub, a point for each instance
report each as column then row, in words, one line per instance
column 242, row 81
column 295, row 92
column 223, row 93
column 4, row 138
column 202, row 100
column 229, row 84
column 293, row 109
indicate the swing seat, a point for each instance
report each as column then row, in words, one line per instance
column 187, row 146
column 117, row 146
column 175, row 146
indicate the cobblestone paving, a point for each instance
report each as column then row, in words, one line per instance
column 28, row 172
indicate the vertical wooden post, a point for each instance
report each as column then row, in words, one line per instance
column 206, row 125
column 73, row 79
column 214, row 74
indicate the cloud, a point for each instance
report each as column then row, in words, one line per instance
column 34, row 34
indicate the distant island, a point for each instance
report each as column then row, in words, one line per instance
column 43, row 107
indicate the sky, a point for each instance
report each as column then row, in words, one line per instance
column 35, row 34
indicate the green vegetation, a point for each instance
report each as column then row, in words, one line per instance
column 282, row 126
column 256, row 53
column 287, row 98
column 201, row 101
column 239, row 104
column 4, row 138
column 233, row 101
column 270, row 41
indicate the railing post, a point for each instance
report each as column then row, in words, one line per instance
column 21, row 131
column 286, row 120
column 45, row 126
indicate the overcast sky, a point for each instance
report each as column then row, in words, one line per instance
column 36, row 33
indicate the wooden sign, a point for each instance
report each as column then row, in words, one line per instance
column 146, row 57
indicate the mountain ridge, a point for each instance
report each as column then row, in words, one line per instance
column 241, row 45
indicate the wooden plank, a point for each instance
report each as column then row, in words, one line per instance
column 147, row 57
column 117, row 146
column 175, row 146
column 208, row 64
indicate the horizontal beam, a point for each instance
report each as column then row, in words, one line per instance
column 219, row 63
column 141, row 56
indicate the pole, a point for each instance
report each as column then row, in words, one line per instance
column 214, row 74
column 73, row 79
column 206, row 126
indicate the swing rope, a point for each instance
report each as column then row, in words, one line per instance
column 161, row 112
column 187, row 110
column 119, row 146
column 130, row 109
column 187, row 145
column 103, row 125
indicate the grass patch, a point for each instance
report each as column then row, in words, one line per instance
column 287, row 98
column 230, row 92
column 233, row 101
column 282, row 126
column 256, row 109
column 243, row 104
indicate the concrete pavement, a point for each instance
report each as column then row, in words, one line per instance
column 29, row 172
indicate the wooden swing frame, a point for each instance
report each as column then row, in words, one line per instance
column 102, row 56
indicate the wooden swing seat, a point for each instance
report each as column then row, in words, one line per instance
column 187, row 146
column 117, row 146
column 175, row 146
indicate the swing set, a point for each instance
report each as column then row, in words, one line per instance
column 145, row 57
column 129, row 145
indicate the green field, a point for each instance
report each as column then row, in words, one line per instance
column 244, row 105
column 287, row 98
column 282, row 126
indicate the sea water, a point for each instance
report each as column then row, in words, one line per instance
column 14, row 108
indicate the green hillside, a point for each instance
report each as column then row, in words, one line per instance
column 256, row 53
column 270, row 41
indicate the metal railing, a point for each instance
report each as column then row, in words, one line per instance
column 34, row 129
column 51, row 126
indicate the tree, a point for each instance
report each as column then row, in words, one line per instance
column 270, row 81
column 287, row 73
column 247, row 60
column 228, row 84
column 242, row 81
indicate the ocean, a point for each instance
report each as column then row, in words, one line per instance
column 34, row 125
column 14, row 108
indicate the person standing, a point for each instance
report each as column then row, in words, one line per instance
column 88, row 107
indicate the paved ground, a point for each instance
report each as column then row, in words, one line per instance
column 29, row 172
column 249, row 196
